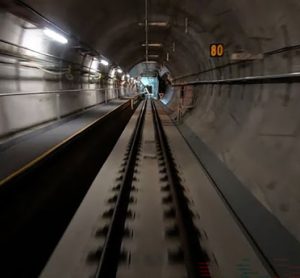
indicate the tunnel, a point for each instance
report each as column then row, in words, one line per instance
column 192, row 102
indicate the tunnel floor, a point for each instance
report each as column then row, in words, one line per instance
column 155, row 210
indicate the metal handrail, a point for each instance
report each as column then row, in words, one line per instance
column 277, row 78
column 49, row 92
column 57, row 94
column 37, row 52
column 29, row 49
column 266, row 54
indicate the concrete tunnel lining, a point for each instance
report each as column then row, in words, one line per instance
column 253, row 129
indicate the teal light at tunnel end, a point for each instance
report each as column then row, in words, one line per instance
column 153, row 82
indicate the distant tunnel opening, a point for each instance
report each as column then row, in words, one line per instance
column 153, row 78
column 151, row 84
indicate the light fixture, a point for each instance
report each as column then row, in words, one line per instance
column 153, row 44
column 104, row 62
column 55, row 36
column 112, row 73
column 94, row 65
column 127, row 75
column 155, row 24
column 153, row 56
column 186, row 23
column 33, row 41
column 150, row 62
column 119, row 70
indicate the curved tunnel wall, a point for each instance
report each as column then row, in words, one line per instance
column 31, row 63
column 252, row 128
column 255, row 132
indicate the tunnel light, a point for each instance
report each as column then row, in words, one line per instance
column 112, row 73
column 153, row 56
column 94, row 65
column 127, row 75
column 150, row 62
column 155, row 24
column 33, row 40
column 153, row 44
column 119, row 71
column 245, row 56
column 55, row 36
column 104, row 62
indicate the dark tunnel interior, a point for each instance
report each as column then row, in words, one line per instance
column 226, row 72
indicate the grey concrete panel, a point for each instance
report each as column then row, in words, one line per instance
column 24, row 152
column 267, row 233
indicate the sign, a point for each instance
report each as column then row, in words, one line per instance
column 217, row 50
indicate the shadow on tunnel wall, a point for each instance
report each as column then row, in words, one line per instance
column 254, row 130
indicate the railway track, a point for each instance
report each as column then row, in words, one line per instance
column 141, row 215
column 188, row 253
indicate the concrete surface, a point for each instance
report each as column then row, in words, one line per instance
column 70, row 258
column 22, row 153
column 227, row 246
column 254, row 131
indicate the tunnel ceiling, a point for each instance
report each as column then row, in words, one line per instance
column 112, row 27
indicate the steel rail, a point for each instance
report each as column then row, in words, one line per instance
column 189, row 235
column 108, row 264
